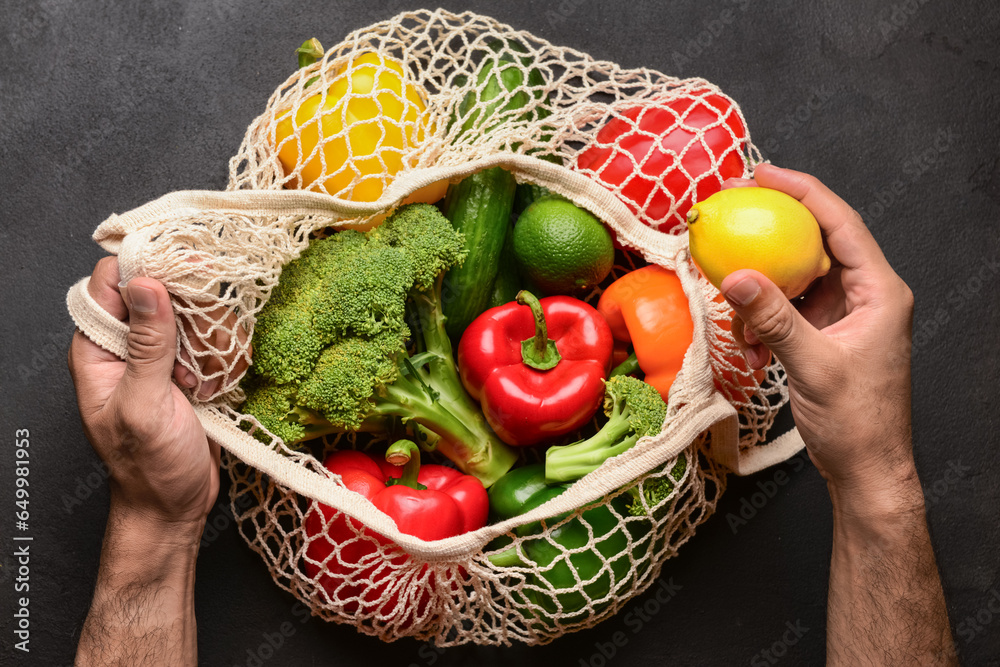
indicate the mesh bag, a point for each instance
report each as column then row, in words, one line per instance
column 392, row 112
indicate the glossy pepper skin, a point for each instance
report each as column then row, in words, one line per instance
column 525, row 405
column 648, row 308
column 555, row 588
column 368, row 118
column 679, row 165
column 452, row 503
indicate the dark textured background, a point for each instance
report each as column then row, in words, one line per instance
column 894, row 105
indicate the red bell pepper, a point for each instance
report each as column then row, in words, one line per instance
column 431, row 502
column 687, row 147
column 533, row 388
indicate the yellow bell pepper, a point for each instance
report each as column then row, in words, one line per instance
column 351, row 141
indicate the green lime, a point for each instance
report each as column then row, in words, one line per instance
column 562, row 248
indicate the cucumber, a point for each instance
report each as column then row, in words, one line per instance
column 480, row 208
column 508, row 281
column 527, row 193
column 500, row 90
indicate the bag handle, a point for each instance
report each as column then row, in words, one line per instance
column 113, row 232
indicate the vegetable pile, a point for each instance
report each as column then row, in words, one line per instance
column 460, row 328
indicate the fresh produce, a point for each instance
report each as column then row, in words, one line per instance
column 502, row 91
column 367, row 118
column 479, row 207
column 527, row 193
column 634, row 410
column 431, row 502
column 742, row 380
column 329, row 345
column 653, row 158
column 761, row 229
column 557, row 588
column 508, row 280
column 648, row 308
column 534, row 388
column 562, row 248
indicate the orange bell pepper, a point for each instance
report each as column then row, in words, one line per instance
column 648, row 308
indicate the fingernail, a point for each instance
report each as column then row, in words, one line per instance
column 208, row 388
column 189, row 380
column 141, row 299
column 743, row 292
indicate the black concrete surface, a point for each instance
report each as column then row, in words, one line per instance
column 104, row 106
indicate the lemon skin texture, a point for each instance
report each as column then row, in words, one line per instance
column 761, row 229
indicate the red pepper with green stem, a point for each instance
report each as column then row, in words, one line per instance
column 431, row 502
column 535, row 388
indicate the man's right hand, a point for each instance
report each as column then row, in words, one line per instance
column 845, row 348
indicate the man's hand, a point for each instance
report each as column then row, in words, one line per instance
column 163, row 477
column 846, row 349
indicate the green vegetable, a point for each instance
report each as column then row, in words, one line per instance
column 502, row 91
column 648, row 496
column 527, row 193
column 508, row 280
column 628, row 367
column 330, row 344
column 634, row 409
column 569, row 575
column 479, row 207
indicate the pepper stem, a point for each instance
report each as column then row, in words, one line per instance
column 405, row 453
column 539, row 351
column 310, row 51
column 627, row 367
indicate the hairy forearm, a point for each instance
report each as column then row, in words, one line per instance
column 886, row 605
column 142, row 612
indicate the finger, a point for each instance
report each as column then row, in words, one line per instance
column 739, row 183
column 777, row 325
column 756, row 353
column 103, row 287
column 182, row 375
column 151, row 338
column 845, row 232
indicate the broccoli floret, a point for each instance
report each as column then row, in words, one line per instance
column 332, row 355
column 634, row 409
column 654, row 490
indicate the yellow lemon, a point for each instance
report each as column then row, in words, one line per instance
column 761, row 229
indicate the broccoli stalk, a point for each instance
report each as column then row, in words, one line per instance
column 330, row 349
column 634, row 409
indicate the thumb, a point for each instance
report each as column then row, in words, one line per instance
column 151, row 337
column 773, row 319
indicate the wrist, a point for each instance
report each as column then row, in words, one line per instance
column 167, row 543
column 876, row 498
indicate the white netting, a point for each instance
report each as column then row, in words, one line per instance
column 391, row 114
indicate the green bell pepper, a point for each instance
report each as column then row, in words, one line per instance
column 565, row 581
